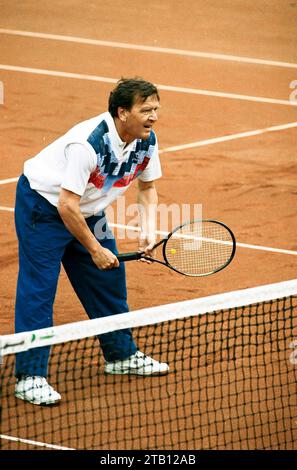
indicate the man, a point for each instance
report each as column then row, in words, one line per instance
column 60, row 198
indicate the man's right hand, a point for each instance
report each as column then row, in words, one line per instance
column 105, row 259
column 69, row 210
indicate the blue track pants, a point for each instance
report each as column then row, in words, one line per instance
column 45, row 243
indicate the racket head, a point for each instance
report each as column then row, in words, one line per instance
column 199, row 247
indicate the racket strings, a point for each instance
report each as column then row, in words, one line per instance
column 199, row 248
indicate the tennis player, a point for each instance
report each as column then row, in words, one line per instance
column 60, row 198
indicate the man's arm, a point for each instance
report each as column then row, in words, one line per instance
column 69, row 210
column 147, row 200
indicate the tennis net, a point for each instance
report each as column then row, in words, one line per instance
column 232, row 381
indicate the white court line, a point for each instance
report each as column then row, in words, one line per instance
column 162, row 233
column 34, row 443
column 242, row 245
column 225, row 138
column 266, row 248
column 8, row 209
column 9, row 180
column 215, row 140
column 192, row 91
column 139, row 47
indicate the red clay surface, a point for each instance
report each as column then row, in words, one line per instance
column 249, row 183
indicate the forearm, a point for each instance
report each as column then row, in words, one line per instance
column 147, row 202
column 76, row 224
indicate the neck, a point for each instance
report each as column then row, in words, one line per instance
column 123, row 134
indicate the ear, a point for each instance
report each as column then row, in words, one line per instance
column 122, row 114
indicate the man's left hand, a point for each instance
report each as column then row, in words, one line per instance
column 146, row 245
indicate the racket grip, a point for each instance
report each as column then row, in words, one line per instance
column 129, row 256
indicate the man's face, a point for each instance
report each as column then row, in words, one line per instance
column 140, row 119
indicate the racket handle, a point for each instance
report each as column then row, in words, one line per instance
column 129, row 256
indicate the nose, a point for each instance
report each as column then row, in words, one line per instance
column 153, row 116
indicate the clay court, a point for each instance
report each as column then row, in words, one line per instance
column 225, row 72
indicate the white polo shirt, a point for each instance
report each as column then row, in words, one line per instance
column 92, row 161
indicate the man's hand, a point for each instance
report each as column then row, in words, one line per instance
column 146, row 244
column 73, row 219
column 147, row 205
column 105, row 259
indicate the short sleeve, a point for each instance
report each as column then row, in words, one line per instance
column 81, row 162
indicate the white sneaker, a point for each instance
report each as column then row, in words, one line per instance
column 35, row 389
column 137, row 364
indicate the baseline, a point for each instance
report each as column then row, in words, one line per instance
column 192, row 91
column 139, row 47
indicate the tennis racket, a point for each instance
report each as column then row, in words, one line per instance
column 196, row 248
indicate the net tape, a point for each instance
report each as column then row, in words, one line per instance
column 12, row 344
